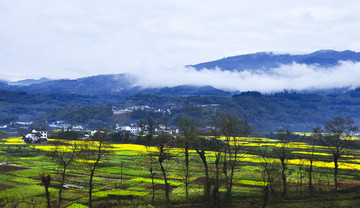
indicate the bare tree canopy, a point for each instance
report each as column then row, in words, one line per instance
column 337, row 136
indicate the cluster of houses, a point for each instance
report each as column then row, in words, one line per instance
column 61, row 125
column 136, row 130
column 118, row 111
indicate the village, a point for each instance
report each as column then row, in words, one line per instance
column 38, row 132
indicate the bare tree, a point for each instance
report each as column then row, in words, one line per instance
column 336, row 135
column 92, row 153
column 63, row 155
column 268, row 173
column 150, row 161
column 233, row 129
column 189, row 133
column 283, row 152
column 310, row 157
column 217, row 146
column 161, row 143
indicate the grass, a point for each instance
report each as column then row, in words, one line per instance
column 119, row 192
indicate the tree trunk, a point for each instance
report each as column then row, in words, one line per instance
column 217, row 185
column 187, row 171
column 283, row 177
column 46, row 181
column 62, row 185
column 266, row 195
column 335, row 174
column 91, row 187
column 153, row 187
column 311, row 188
column 207, row 181
column 167, row 187
column 233, row 164
column 47, row 196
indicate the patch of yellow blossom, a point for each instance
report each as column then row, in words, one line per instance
column 13, row 140
column 342, row 165
column 353, row 138
column 259, row 144
column 302, row 133
column 260, row 139
column 132, row 147
column 60, row 148
column 87, row 161
column 306, row 146
column 14, row 143
column 314, row 153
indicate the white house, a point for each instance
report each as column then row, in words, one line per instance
column 133, row 129
column 35, row 136
column 165, row 129
column 78, row 128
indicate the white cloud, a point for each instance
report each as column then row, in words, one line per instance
column 291, row 77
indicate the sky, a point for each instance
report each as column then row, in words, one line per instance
column 78, row 38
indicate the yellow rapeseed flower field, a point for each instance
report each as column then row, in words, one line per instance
column 13, row 141
column 86, row 161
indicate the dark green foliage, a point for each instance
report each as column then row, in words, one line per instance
column 29, row 106
column 67, row 135
column 94, row 116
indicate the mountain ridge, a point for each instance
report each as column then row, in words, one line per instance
column 266, row 60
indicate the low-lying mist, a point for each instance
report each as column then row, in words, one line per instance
column 296, row 77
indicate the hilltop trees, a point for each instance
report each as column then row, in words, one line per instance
column 337, row 136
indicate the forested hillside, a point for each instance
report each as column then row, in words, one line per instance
column 270, row 112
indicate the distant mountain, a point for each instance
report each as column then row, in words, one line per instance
column 28, row 82
column 88, row 85
column 120, row 84
column 266, row 60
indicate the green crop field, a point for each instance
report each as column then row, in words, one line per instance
column 123, row 178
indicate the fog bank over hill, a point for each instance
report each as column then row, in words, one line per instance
column 295, row 76
column 324, row 71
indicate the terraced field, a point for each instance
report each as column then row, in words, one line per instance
column 123, row 177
